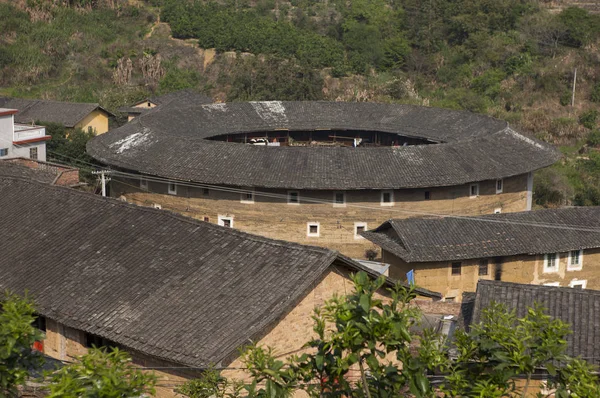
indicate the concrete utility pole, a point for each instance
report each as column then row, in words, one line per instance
column 103, row 179
column 574, row 82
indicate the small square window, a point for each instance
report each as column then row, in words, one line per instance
column 552, row 284
column 456, row 268
column 387, row 198
column 474, row 190
column 499, row 186
column 339, row 199
column 427, row 195
column 578, row 284
column 206, row 219
column 3, row 151
column 225, row 221
column 483, row 267
column 33, row 153
column 498, row 269
column 39, row 323
column 293, row 198
column 205, row 191
column 144, row 184
column 247, row 197
column 575, row 261
column 359, row 228
column 172, row 188
column 551, row 262
column 312, row 229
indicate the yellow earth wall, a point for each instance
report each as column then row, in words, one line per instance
column 437, row 276
column 273, row 217
column 97, row 121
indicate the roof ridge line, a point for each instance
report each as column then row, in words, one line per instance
column 190, row 220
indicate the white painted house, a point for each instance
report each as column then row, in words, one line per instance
column 21, row 140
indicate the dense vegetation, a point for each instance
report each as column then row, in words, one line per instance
column 360, row 341
column 512, row 59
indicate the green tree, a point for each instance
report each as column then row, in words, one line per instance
column 17, row 335
column 365, row 334
column 101, row 373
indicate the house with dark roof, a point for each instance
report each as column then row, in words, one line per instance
column 176, row 293
column 19, row 140
column 72, row 115
column 183, row 97
column 320, row 173
column 37, row 170
column 554, row 247
column 579, row 308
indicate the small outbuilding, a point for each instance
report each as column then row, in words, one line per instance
column 556, row 247
column 72, row 115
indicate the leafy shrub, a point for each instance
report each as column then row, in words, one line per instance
column 588, row 118
column 566, row 98
column 518, row 64
column 582, row 27
column 488, row 84
column 179, row 79
column 594, row 138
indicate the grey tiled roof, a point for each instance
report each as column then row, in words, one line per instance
column 44, row 172
column 580, row 308
column 159, row 283
column 451, row 238
column 65, row 113
column 186, row 95
column 181, row 97
column 172, row 142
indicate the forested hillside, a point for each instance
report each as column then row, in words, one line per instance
column 512, row 59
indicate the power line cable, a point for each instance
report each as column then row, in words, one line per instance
column 332, row 202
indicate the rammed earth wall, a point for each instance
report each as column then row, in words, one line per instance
column 273, row 217
column 437, row 276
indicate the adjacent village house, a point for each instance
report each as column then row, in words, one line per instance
column 577, row 307
column 44, row 172
column 19, row 140
column 178, row 294
column 552, row 247
column 181, row 97
column 73, row 115
column 319, row 173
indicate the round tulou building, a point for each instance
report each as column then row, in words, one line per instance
column 320, row 173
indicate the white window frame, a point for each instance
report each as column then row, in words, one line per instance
column 34, row 149
column 498, row 210
column 289, row 195
column 575, row 267
column 553, row 270
column 356, row 225
column 471, row 191
column 391, row 202
column 172, row 191
column 335, row 203
column 244, row 199
column 578, row 282
column 501, row 181
column 143, row 183
column 221, row 219
column 313, row 235
column 552, row 284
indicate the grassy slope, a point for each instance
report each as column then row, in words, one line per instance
column 71, row 55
